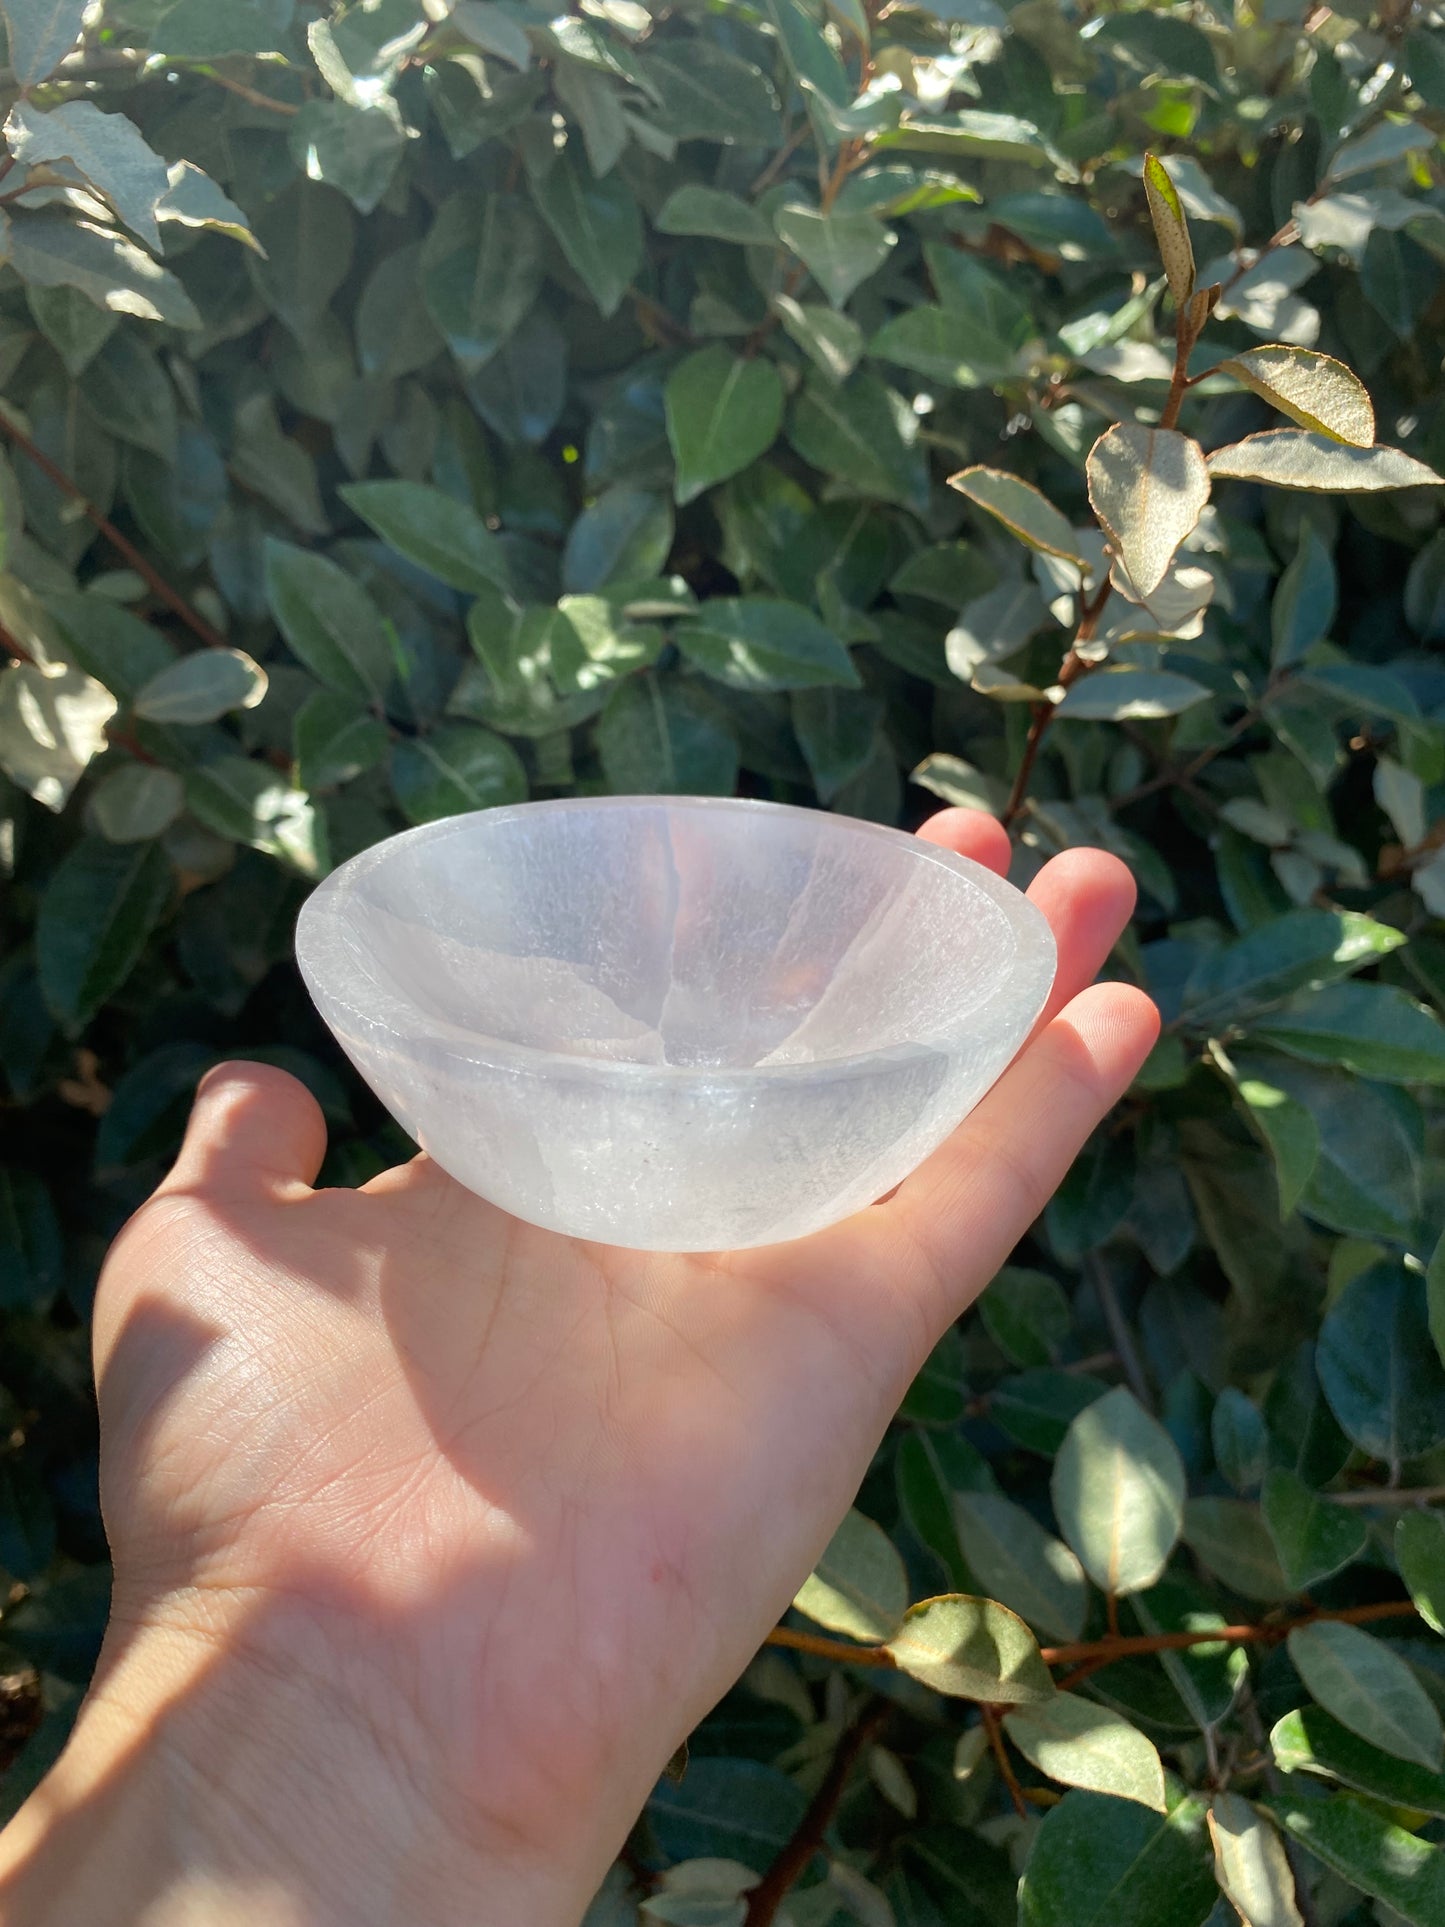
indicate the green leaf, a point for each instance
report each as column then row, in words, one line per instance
column 1295, row 458
column 329, row 621
column 202, row 687
column 1024, row 512
column 597, row 224
column 1036, row 1408
column 837, row 731
column 624, row 536
column 1083, row 1745
column 1230, row 1538
column 195, row 201
column 1435, row 1296
column 1368, row 1689
column 75, row 328
column 1148, row 486
column 97, row 914
column 1116, row 695
column 1380, row 1372
column 1026, row 1568
column 50, row 250
column 1389, row 141
column 656, row 738
column 481, row 271
column 334, row 739
column 108, row 149
column 1286, row 1125
column 1305, row 601
column 41, row 34
column 1171, row 229
column 32, row 1255
column 1026, row 1314
column 432, row 529
column 706, row 93
column 1372, row 1029
column 859, row 1586
column 948, row 345
column 1313, row 1741
column 1118, row 1487
column 1251, row 1865
column 763, row 643
column 1369, row 1851
column 1315, row 390
column 971, row 1649
column 971, row 131
column 865, row 434
column 1206, row 1677
column 839, row 249
column 137, row 803
column 127, row 390
column 206, row 29
column 1420, row 1550
column 695, row 209
column 1239, row 1439
column 457, row 767
column 51, row 729
column 1314, row 1538
column 309, row 236
column 1304, row 947
column 493, row 29
column 811, row 59
column 832, row 341
column 1102, row 1862
column 249, row 802
column 354, row 149
column 726, row 1810
column 722, row 413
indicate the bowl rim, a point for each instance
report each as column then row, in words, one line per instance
column 318, row 940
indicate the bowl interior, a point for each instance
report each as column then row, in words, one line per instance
column 663, row 931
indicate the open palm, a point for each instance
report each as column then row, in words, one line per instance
column 495, row 1515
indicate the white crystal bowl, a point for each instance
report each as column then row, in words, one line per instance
column 674, row 1023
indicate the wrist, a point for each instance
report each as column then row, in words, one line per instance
column 209, row 1786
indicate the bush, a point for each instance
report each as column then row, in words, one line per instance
column 413, row 407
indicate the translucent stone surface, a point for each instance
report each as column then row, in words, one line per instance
column 676, row 1023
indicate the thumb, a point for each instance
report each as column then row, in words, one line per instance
column 253, row 1130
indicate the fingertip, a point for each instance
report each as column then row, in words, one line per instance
column 1119, row 1026
column 1096, row 874
column 252, row 1127
column 970, row 833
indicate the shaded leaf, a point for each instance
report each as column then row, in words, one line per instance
column 1314, row 1538
column 1420, row 1550
column 1369, row 1851
column 202, row 687
column 971, row 1649
column 1358, row 1679
column 597, row 224
column 656, row 738
column 859, row 1586
column 839, row 249
column 455, row 768
column 1372, row 1029
column 137, row 803
column 443, row 536
column 96, row 916
column 1102, row 1862
column 1026, row 1568
column 723, row 411
column 764, row 643
column 1313, row 1741
column 1382, row 1376
column 329, row 621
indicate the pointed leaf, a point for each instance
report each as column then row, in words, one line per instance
column 455, row 768
column 832, row 341
column 434, row 530
column 656, row 738
column 1315, row 390
column 1287, row 1126
column 722, row 413
column 1382, row 1376
column 249, row 802
column 1030, row 1571
column 1101, row 1862
column 1293, row 458
column 695, row 209
column 1239, row 1438
column 1083, row 1745
column 49, row 249
column 1148, row 487
column 1118, row 1486
column 1313, row 1537
column 1251, row 1865
column 136, row 804
column 1171, row 228
column 1229, row 1537
column 334, row 739
column 195, row 201
column 1420, row 1549
column 971, row 1649
column 763, row 643
column 481, row 271
column 1368, row 1689
column 202, row 687
column 1023, row 510
column 108, row 149
column 597, row 223
column 839, row 250
column 865, row 434
column 1373, row 1029
column 1304, row 603
column 859, row 1586
column 329, row 621
column 1389, row 141
column 1115, row 695
column 96, row 916
column 1026, row 1313
column 1313, row 1741
column 945, row 344
column 1370, row 1852
column 41, row 34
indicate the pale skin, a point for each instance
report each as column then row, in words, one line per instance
column 434, row 1533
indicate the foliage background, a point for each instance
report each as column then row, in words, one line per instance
column 522, row 405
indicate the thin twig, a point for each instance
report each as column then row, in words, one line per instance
column 251, row 94
column 147, row 571
column 1073, row 666
column 820, row 1648
column 1389, row 1495
column 1119, row 1332
column 994, row 1729
column 794, row 1860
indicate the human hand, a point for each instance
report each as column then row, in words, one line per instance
column 435, row 1533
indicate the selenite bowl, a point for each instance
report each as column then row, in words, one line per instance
column 674, row 1023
